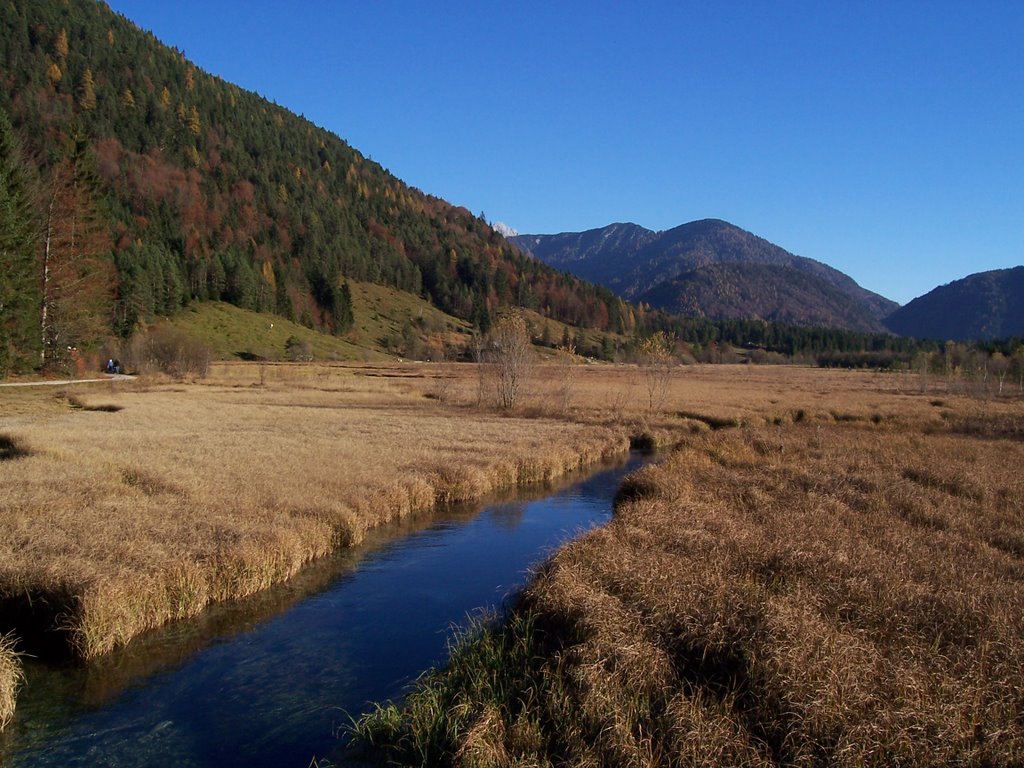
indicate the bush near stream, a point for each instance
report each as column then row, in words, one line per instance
column 799, row 595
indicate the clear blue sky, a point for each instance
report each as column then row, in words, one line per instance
column 883, row 138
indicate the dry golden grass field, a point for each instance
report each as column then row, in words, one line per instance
column 841, row 586
column 127, row 505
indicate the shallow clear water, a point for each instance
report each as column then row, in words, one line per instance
column 268, row 681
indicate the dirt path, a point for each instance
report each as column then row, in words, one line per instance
column 65, row 382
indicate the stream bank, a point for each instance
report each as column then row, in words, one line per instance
column 268, row 680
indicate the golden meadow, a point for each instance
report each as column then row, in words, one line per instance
column 124, row 506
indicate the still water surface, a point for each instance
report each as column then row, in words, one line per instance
column 267, row 681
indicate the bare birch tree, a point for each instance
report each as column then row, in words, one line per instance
column 510, row 355
column 656, row 365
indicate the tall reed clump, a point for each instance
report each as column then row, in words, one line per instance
column 10, row 679
column 469, row 712
column 779, row 596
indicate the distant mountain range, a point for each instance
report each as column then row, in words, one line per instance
column 985, row 305
column 711, row 268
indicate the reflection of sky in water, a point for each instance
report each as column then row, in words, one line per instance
column 274, row 691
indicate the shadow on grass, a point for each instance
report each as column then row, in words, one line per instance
column 11, row 448
column 79, row 405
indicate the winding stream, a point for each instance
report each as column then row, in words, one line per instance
column 267, row 681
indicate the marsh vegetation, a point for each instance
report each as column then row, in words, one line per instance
column 838, row 583
column 115, row 520
column 131, row 505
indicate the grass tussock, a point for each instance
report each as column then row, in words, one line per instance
column 774, row 596
column 489, row 664
column 10, row 678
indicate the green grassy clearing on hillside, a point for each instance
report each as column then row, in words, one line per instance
column 381, row 314
column 388, row 323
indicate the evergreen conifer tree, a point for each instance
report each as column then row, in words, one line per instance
column 344, row 317
column 19, row 284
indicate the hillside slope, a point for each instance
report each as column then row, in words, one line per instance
column 985, row 305
column 773, row 292
column 633, row 261
column 210, row 192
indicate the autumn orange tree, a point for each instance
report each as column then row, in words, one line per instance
column 76, row 272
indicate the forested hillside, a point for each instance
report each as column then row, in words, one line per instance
column 194, row 189
column 985, row 305
column 773, row 292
